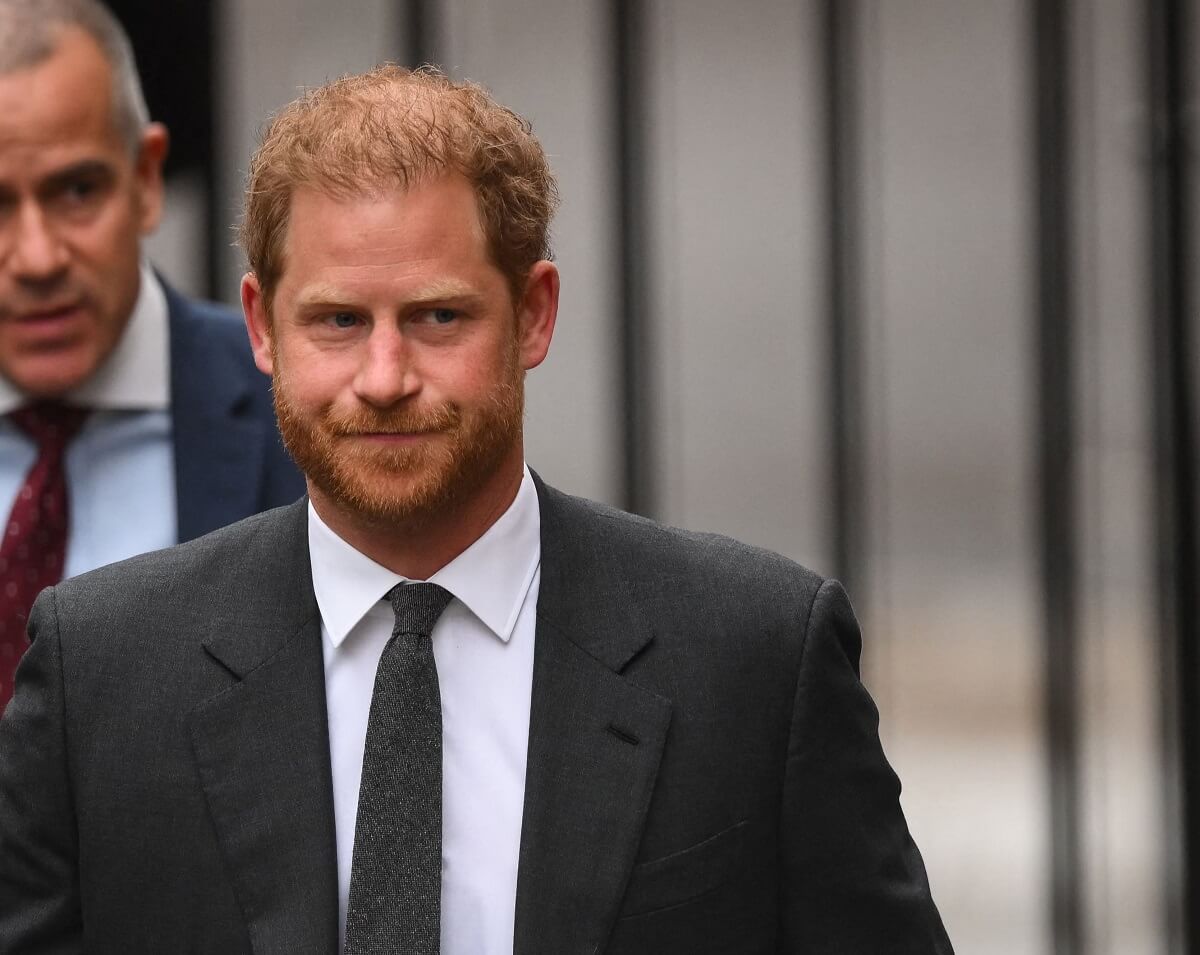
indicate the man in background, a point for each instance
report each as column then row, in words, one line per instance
column 130, row 417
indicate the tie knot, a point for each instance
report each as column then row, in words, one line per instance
column 417, row 607
column 49, row 423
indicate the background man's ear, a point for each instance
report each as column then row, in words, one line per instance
column 152, row 153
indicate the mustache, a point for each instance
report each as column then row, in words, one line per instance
column 401, row 421
column 53, row 293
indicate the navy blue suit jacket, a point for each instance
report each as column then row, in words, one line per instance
column 229, row 460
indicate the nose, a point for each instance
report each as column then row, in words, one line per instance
column 36, row 253
column 387, row 373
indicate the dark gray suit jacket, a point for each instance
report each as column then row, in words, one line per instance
column 704, row 770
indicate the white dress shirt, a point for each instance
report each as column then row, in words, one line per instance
column 121, row 466
column 483, row 647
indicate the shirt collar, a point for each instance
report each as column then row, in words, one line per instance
column 491, row 577
column 137, row 375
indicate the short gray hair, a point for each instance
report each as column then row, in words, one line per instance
column 29, row 34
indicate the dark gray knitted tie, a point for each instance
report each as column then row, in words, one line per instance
column 396, row 871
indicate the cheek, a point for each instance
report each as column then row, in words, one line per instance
column 311, row 377
column 106, row 262
column 493, row 364
column 111, row 245
column 474, row 381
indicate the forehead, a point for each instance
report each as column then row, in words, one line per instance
column 58, row 108
column 432, row 224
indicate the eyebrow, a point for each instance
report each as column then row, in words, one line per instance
column 326, row 295
column 88, row 168
column 56, row 180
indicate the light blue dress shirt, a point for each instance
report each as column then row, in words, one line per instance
column 120, row 467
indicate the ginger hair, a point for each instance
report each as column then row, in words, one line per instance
column 393, row 128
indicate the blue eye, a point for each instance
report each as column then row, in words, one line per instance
column 444, row 316
column 345, row 319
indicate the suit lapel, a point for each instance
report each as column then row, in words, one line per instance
column 218, row 453
column 262, row 751
column 595, row 742
column 596, row 739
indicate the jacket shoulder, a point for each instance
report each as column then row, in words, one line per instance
column 200, row 570
column 207, row 327
column 221, row 317
column 661, row 555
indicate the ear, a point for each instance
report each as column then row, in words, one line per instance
column 152, row 152
column 258, row 323
column 537, row 312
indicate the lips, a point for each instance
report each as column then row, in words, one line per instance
column 46, row 327
column 47, row 314
column 396, row 436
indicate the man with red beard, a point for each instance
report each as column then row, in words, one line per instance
column 439, row 706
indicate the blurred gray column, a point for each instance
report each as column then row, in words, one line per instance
column 268, row 51
column 738, row 270
column 1118, row 667
column 550, row 62
column 947, row 295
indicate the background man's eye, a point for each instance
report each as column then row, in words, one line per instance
column 444, row 315
column 344, row 319
column 77, row 195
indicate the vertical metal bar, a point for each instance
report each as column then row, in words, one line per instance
column 421, row 32
column 216, row 225
column 1173, row 410
column 1056, row 430
column 176, row 53
column 638, row 491
column 846, row 436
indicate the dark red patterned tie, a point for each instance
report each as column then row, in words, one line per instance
column 35, row 540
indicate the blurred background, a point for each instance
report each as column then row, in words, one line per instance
column 902, row 289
